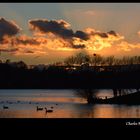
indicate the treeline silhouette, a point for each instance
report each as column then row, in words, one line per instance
column 20, row 75
column 98, row 60
column 120, row 96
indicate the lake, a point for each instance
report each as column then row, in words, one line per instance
column 65, row 104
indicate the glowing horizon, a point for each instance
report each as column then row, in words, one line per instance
column 57, row 31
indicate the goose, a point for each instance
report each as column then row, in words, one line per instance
column 48, row 110
column 39, row 108
column 18, row 101
column 5, row 107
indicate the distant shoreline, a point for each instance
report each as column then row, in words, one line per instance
column 129, row 99
column 57, row 77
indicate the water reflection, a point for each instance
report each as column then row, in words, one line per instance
column 111, row 111
column 75, row 111
column 64, row 106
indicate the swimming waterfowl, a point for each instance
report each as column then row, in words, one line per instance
column 39, row 108
column 48, row 110
column 5, row 107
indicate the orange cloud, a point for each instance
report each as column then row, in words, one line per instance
column 98, row 40
column 8, row 28
column 57, row 35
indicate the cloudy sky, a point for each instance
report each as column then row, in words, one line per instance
column 48, row 32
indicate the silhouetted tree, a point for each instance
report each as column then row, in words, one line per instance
column 7, row 61
column 110, row 60
column 21, row 64
column 88, row 94
column 79, row 59
column 96, row 60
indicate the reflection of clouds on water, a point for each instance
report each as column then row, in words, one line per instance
column 67, row 105
column 105, row 111
column 21, row 114
column 39, row 96
column 76, row 110
column 103, row 93
column 82, row 111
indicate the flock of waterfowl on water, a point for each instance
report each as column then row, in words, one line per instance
column 38, row 108
column 46, row 110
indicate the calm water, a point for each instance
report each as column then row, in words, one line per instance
column 22, row 104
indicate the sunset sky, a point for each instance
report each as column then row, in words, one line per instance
column 41, row 33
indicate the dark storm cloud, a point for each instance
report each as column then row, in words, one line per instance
column 80, row 46
column 62, row 29
column 103, row 35
column 53, row 26
column 81, row 35
column 29, row 51
column 57, row 27
column 112, row 33
column 9, row 50
column 8, row 28
column 26, row 41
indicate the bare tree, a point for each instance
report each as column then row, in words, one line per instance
column 88, row 94
column 79, row 58
column 110, row 60
column 96, row 59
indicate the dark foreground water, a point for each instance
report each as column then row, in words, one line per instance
column 23, row 103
